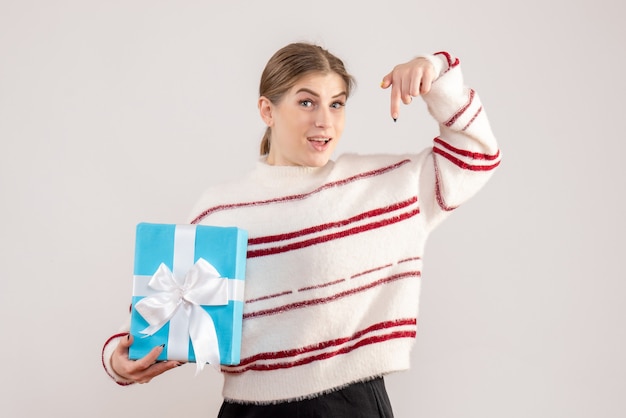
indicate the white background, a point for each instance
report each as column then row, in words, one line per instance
column 117, row 112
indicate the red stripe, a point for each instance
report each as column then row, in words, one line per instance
column 451, row 63
column 289, row 292
column 370, row 271
column 460, row 112
column 465, row 153
column 480, row 109
column 319, row 286
column 463, row 164
column 275, row 295
column 330, row 225
column 329, row 237
column 410, row 259
column 327, row 355
column 325, row 186
column 440, row 201
column 326, row 344
column 319, row 301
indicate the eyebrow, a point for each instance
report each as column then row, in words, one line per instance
column 311, row 92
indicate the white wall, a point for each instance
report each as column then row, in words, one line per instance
column 116, row 112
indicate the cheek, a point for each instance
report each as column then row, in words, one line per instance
column 298, row 124
column 339, row 124
column 289, row 124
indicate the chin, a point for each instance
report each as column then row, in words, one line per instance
column 318, row 162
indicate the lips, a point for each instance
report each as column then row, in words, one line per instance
column 324, row 140
column 319, row 143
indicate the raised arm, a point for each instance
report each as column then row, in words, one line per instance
column 465, row 153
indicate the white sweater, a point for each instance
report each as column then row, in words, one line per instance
column 335, row 253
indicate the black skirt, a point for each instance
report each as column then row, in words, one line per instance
column 359, row 400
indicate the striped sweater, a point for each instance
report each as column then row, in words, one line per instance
column 335, row 253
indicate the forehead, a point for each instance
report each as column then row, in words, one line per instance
column 321, row 83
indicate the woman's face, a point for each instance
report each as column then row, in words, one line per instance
column 307, row 122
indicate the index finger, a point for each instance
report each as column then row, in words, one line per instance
column 396, row 100
column 149, row 359
column 396, row 93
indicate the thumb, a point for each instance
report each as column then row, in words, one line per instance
column 126, row 342
column 386, row 81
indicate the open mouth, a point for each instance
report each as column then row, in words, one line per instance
column 320, row 140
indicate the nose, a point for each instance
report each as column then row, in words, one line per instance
column 322, row 118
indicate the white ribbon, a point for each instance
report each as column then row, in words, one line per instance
column 202, row 285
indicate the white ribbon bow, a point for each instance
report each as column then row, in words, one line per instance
column 202, row 285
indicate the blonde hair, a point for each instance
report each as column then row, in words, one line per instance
column 288, row 65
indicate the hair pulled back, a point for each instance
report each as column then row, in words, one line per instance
column 288, row 65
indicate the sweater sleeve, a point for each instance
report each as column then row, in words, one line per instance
column 465, row 153
column 107, row 351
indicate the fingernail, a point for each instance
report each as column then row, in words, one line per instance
column 382, row 83
column 395, row 119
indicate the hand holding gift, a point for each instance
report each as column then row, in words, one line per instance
column 142, row 370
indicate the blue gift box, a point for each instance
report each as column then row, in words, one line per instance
column 167, row 259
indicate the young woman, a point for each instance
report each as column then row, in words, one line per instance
column 335, row 246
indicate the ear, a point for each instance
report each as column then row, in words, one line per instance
column 266, row 108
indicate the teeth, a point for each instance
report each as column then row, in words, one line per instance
column 324, row 140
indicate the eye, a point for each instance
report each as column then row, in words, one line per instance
column 306, row 103
column 337, row 105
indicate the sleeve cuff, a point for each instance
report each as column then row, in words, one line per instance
column 107, row 351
